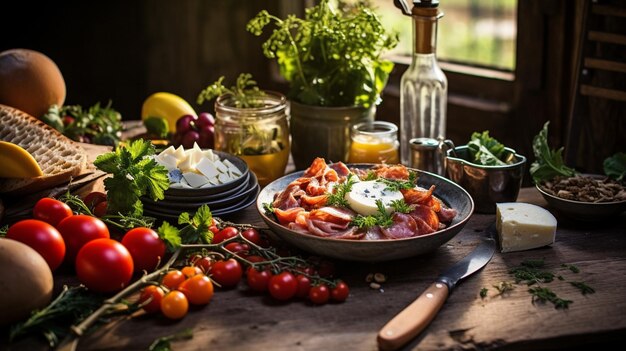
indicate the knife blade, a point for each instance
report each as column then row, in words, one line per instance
column 415, row 317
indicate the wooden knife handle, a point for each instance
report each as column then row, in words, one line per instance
column 414, row 318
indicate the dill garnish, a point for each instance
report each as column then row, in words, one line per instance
column 382, row 218
column 529, row 273
column 543, row 294
column 397, row 185
column 401, row 206
column 583, row 287
column 338, row 197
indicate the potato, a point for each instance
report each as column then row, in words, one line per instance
column 25, row 281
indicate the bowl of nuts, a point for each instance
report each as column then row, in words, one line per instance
column 585, row 197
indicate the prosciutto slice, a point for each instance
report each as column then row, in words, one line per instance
column 418, row 196
column 403, row 226
column 288, row 215
column 337, row 215
column 426, row 215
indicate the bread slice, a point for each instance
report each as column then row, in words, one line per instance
column 59, row 157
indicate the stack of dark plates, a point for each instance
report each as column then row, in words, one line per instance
column 222, row 199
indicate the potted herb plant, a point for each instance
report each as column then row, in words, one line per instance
column 332, row 61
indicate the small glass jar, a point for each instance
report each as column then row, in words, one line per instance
column 259, row 135
column 374, row 142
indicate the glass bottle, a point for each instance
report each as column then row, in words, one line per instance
column 259, row 135
column 424, row 87
column 374, row 142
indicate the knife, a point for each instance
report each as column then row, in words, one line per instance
column 414, row 318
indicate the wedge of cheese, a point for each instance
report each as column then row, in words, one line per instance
column 17, row 162
column 523, row 226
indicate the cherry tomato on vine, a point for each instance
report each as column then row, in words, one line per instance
column 283, row 286
column 101, row 209
column 173, row 279
column 198, row 289
column 202, row 262
column 190, row 271
column 253, row 235
column 146, row 248
column 174, row 305
column 319, row 294
column 239, row 249
column 225, row 234
column 255, row 258
column 214, row 229
column 78, row 230
column 226, row 273
column 94, row 198
column 104, row 265
column 258, row 280
column 155, row 294
column 42, row 237
column 51, row 211
column 304, row 286
column 326, row 269
column 340, row 292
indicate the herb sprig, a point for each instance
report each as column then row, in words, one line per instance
column 397, row 184
column 548, row 162
column 381, row 218
column 338, row 196
column 245, row 92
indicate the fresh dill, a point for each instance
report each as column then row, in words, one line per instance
column 571, row 267
column 397, row 185
column 542, row 294
column 401, row 206
column 338, row 197
column 529, row 272
column 583, row 287
column 382, row 218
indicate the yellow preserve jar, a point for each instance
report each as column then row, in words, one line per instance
column 374, row 142
column 259, row 134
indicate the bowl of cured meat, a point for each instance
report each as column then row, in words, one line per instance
column 364, row 212
column 584, row 197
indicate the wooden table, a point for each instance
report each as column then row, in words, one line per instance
column 238, row 319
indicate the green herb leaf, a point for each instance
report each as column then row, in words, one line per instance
column 164, row 343
column 197, row 227
column 398, row 184
column 170, row 235
column 529, row 273
column 504, row 287
column 615, row 166
column 483, row 293
column 571, row 267
column 583, row 287
column 485, row 150
column 246, row 93
column 401, row 206
column 543, row 295
column 548, row 162
column 338, row 197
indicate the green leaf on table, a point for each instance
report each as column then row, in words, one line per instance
column 615, row 166
column 164, row 343
column 548, row 162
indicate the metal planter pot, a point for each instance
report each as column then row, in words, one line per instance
column 318, row 131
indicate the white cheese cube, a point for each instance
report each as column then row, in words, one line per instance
column 206, row 167
column 180, row 153
column 220, row 166
column 232, row 168
column 195, row 180
column 523, row 226
column 363, row 195
column 214, row 181
column 223, row 178
column 210, row 155
column 168, row 161
column 196, row 155
column 169, row 151
column 187, row 165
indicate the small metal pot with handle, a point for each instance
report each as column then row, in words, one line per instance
column 487, row 185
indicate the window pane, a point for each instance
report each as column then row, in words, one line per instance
column 478, row 32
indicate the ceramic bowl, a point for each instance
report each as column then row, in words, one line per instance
column 583, row 211
column 374, row 250
column 487, row 185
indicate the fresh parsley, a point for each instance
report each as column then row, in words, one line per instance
column 246, row 93
column 196, row 227
column 135, row 174
column 338, row 196
column 398, row 185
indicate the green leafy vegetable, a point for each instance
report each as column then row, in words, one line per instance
column 245, row 92
column 338, row 197
column 197, row 227
column 615, row 166
column 485, row 150
column 332, row 57
column 164, row 343
column 548, row 162
column 134, row 175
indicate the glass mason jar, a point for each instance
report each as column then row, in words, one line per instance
column 259, row 135
column 374, row 142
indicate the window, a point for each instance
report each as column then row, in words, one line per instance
column 476, row 32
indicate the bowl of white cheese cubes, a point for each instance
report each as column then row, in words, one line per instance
column 203, row 176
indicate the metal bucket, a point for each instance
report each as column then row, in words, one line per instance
column 487, row 185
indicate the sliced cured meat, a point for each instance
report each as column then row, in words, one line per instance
column 423, row 227
column 287, row 198
column 446, row 214
column 314, row 187
column 427, row 215
column 417, row 195
column 302, row 229
column 313, row 201
column 341, row 169
column 288, row 215
column 398, row 172
column 373, row 233
column 337, row 215
column 328, row 230
column 403, row 226
column 316, row 168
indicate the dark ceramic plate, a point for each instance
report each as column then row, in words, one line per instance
column 217, row 189
column 375, row 250
column 584, row 211
column 173, row 216
column 237, row 189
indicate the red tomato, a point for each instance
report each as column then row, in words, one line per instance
column 198, row 289
column 94, row 198
column 146, row 248
column 255, row 258
column 340, row 292
column 173, row 279
column 214, row 229
column 319, row 294
column 51, row 211
column 101, row 209
column 304, row 285
column 239, row 249
column 253, row 235
column 155, row 294
column 79, row 230
column 283, row 286
column 42, row 237
column 224, row 234
column 174, row 305
column 226, row 273
column 258, row 280
column 202, row 262
column 104, row 265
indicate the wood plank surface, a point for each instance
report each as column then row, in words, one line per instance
column 238, row 319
